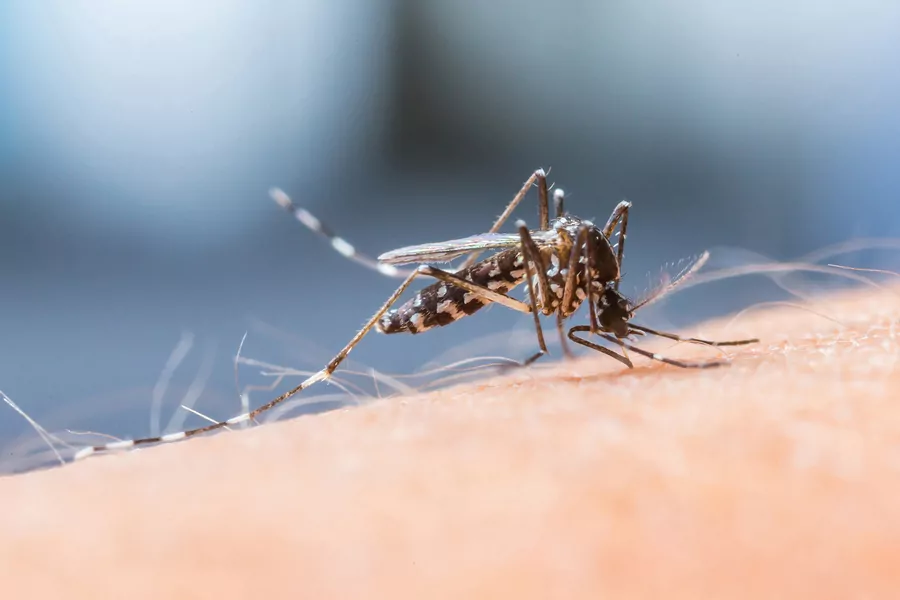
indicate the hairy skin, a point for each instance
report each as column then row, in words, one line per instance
column 777, row 476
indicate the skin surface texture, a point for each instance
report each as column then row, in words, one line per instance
column 778, row 476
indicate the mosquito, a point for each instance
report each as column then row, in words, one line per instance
column 564, row 263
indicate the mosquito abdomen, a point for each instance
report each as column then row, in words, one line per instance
column 443, row 303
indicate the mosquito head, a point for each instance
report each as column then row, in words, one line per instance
column 614, row 311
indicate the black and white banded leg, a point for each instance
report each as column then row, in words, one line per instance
column 692, row 340
column 589, row 344
column 482, row 293
column 346, row 249
column 342, row 246
column 654, row 355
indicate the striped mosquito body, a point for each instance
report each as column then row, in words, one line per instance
column 443, row 303
column 564, row 263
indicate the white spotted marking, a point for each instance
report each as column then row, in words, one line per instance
column 120, row 445
column 84, row 453
column 173, row 437
column 520, row 260
column 494, row 285
column 442, row 291
column 580, row 293
column 343, row 247
column 389, row 270
column 417, row 301
column 280, row 197
column 558, row 193
column 308, row 219
column 416, row 319
column 495, row 271
column 444, row 306
column 469, row 297
column 658, row 357
column 518, row 273
column 556, row 290
column 238, row 419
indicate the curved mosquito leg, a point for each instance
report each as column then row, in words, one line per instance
column 622, row 359
column 659, row 357
column 342, row 246
column 589, row 282
column 619, row 217
column 678, row 338
column 539, row 177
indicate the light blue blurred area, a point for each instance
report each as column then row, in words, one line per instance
column 138, row 141
column 160, row 118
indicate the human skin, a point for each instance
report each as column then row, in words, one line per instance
column 777, row 476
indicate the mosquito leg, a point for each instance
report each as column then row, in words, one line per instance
column 619, row 217
column 560, row 327
column 653, row 355
column 342, row 246
column 678, row 338
column 559, row 197
column 531, row 257
column 549, row 301
column 539, row 177
column 482, row 293
column 321, row 375
column 588, row 344
column 592, row 306
column 566, row 305
column 575, row 255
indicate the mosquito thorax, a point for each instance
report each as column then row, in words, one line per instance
column 604, row 263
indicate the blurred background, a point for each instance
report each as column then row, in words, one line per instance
column 138, row 142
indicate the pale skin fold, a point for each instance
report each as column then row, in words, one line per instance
column 778, row 475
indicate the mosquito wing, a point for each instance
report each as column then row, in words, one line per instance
column 440, row 252
column 667, row 282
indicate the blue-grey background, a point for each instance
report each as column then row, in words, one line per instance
column 138, row 141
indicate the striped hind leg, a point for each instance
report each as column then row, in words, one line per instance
column 346, row 249
column 482, row 293
column 342, row 246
